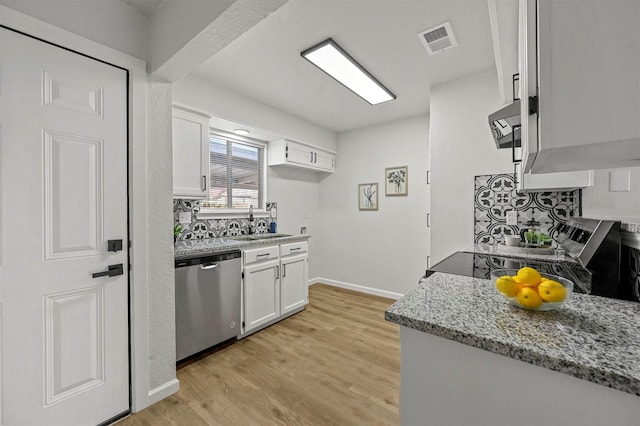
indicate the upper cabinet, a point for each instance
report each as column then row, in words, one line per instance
column 296, row 154
column 190, row 133
column 579, row 65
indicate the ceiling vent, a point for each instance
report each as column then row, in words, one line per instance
column 438, row 38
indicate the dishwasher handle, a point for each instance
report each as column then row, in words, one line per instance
column 206, row 266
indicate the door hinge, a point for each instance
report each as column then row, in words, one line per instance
column 533, row 105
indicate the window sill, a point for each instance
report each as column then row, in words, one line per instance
column 211, row 213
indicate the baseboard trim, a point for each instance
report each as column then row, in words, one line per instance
column 163, row 391
column 356, row 287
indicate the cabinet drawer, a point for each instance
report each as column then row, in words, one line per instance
column 260, row 254
column 293, row 248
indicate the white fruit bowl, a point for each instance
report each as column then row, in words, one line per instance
column 549, row 297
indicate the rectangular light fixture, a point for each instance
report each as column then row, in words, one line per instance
column 333, row 60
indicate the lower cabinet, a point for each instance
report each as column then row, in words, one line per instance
column 275, row 284
column 261, row 294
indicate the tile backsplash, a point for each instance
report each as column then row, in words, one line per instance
column 494, row 195
column 213, row 228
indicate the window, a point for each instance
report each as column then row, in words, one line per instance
column 237, row 174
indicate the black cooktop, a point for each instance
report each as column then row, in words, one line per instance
column 480, row 265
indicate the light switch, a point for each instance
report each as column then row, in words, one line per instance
column 620, row 180
column 512, row 218
column 184, row 217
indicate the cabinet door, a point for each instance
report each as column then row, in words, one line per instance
column 299, row 154
column 585, row 59
column 261, row 294
column 324, row 160
column 527, row 67
column 190, row 134
column 294, row 290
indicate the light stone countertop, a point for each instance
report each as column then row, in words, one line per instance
column 189, row 248
column 589, row 337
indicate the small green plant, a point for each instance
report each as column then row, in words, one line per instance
column 177, row 229
column 537, row 237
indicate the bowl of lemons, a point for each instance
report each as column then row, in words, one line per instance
column 527, row 288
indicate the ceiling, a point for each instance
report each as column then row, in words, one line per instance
column 265, row 64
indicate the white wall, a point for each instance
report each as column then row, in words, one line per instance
column 223, row 103
column 599, row 202
column 383, row 251
column 295, row 191
column 461, row 147
column 161, row 295
column 111, row 23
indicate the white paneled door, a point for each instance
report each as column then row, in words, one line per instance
column 63, row 189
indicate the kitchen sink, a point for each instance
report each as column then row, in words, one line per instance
column 256, row 237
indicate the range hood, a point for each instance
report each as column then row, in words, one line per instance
column 502, row 123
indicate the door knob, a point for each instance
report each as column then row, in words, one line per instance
column 111, row 272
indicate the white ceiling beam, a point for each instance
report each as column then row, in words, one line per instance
column 170, row 62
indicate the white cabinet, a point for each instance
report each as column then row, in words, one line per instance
column 275, row 284
column 544, row 182
column 190, row 135
column 580, row 61
column 294, row 289
column 284, row 152
column 261, row 287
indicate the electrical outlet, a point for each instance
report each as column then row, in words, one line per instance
column 512, row 217
column 184, row 217
column 303, row 230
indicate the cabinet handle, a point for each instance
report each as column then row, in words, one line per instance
column 428, row 181
column 311, row 156
column 295, row 249
column 284, row 271
column 204, row 182
column 264, row 255
column 513, row 143
column 428, row 220
column 277, row 272
column 315, row 157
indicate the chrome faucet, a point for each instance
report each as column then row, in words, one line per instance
column 250, row 231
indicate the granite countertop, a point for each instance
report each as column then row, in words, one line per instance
column 189, row 248
column 589, row 337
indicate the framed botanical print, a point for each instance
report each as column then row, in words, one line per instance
column 396, row 180
column 368, row 196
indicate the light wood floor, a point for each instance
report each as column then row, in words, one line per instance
column 337, row 362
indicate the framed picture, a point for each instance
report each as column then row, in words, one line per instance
column 368, row 196
column 396, row 180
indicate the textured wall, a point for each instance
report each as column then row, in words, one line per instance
column 460, row 148
column 161, row 280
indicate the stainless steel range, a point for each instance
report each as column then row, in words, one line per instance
column 593, row 259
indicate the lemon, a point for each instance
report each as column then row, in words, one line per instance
column 529, row 298
column 552, row 291
column 507, row 286
column 529, row 276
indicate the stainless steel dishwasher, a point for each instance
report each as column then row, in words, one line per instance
column 207, row 301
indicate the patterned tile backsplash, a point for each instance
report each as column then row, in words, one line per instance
column 497, row 194
column 213, row 228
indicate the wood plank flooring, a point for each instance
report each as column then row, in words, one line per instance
column 337, row 362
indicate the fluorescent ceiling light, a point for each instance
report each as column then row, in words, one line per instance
column 333, row 60
column 241, row 132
